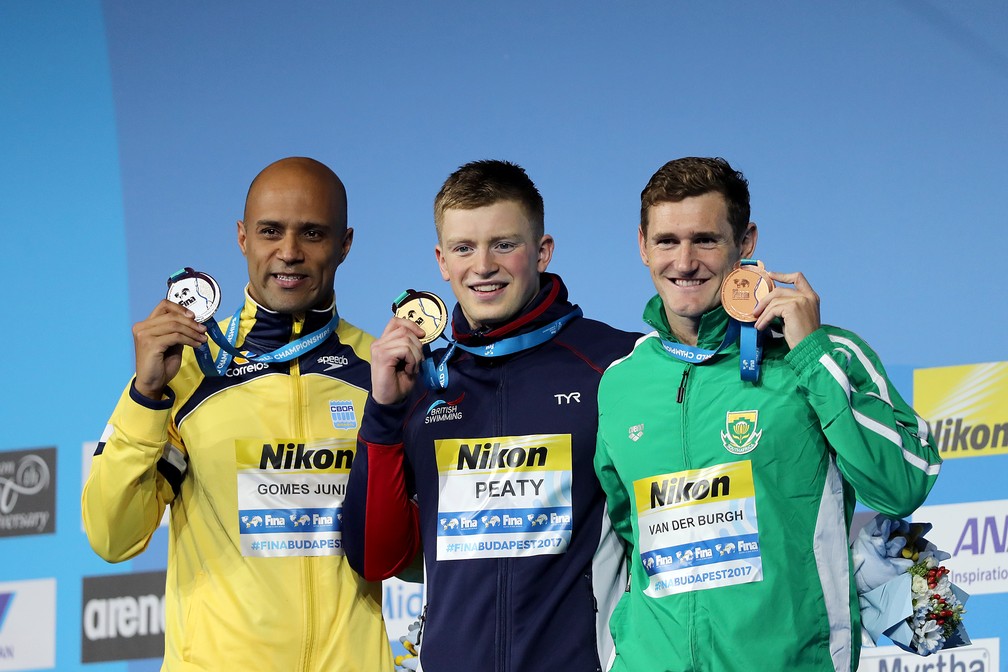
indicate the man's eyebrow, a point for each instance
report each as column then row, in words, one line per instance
column 297, row 225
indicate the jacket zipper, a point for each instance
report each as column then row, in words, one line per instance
column 300, row 425
column 691, row 596
column 682, row 385
column 503, row 564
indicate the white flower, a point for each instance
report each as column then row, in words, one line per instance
column 928, row 636
column 919, row 585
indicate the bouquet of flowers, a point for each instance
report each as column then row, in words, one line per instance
column 903, row 591
column 411, row 642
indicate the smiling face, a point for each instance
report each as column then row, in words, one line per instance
column 294, row 235
column 492, row 259
column 689, row 249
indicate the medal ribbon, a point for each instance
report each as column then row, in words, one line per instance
column 750, row 344
column 692, row 354
column 228, row 351
column 436, row 376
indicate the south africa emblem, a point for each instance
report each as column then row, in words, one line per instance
column 741, row 435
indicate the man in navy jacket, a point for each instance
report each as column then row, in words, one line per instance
column 486, row 465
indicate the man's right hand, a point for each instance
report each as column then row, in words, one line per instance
column 158, row 342
column 395, row 361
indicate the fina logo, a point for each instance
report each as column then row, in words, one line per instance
column 442, row 410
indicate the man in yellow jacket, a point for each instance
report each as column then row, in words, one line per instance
column 248, row 436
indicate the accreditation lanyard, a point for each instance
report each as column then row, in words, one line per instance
column 750, row 346
column 226, row 341
column 436, row 376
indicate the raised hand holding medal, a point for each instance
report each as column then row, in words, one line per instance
column 751, row 297
column 797, row 306
column 399, row 353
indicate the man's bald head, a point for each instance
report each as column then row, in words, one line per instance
column 301, row 168
column 294, row 235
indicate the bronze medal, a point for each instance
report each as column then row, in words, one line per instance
column 425, row 309
column 743, row 289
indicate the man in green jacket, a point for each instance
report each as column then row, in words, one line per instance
column 732, row 448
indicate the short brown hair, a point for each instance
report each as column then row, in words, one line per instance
column 696, row 176
column 481, row 183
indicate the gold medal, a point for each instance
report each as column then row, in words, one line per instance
column 743, row 289
column 425, row 309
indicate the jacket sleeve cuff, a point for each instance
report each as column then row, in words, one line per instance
column 152, row 404
column 383, row 423
column 808, row 352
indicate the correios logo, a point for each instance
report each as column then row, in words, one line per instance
column 442, row 410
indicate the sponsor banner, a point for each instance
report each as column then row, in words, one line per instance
column 88, row 449
column 122, row 616
column 966, row 408
column 507, row 496
column 983, row 655
column 27, row 492
column 290, row 496
column 28, row 624
column 976, row 534
column 402, row 603
column 698, row 529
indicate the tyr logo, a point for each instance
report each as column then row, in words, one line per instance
column 573, row 397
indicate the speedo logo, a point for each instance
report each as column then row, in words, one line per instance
column 249, row 367
column 297, row 456
column 441, row 410
column 333, row 362
column 677, row 489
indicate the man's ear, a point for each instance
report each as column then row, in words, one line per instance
column 241, row 236
column 546, row 245
column 748, row 246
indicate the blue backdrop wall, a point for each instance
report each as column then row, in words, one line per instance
column 872, row 136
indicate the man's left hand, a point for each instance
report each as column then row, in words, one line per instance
column 797, row 306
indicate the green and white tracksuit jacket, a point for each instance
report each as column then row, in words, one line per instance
column 735, row 499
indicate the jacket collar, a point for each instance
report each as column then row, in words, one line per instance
column 713, row 323
column 266, row 329
column 549, row 305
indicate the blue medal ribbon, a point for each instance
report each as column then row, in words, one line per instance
column 436, row 376
column 692, row 354
column 750, row 345
column 226, row 341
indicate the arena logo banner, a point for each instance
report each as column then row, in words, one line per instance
column 27, row 492
column 983, row 655
column 976, row 534
column 122, row 616
column 28, row 624
column 966, row 408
